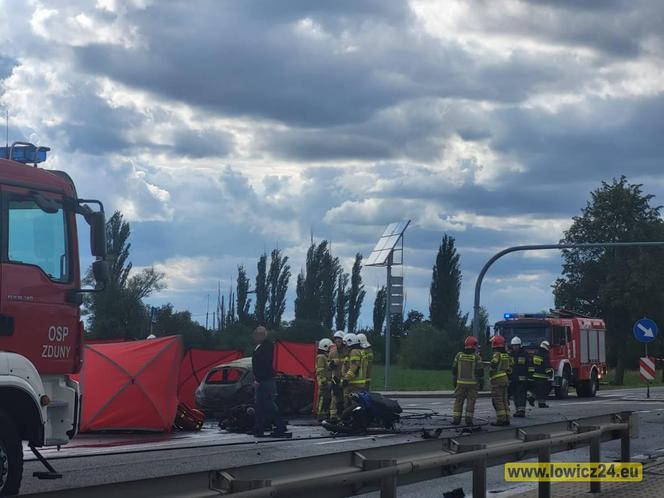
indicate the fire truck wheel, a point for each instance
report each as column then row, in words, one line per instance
column 563, row 390
column 11, row 457
column 588, row 388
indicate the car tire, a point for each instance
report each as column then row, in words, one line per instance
column 11, row 457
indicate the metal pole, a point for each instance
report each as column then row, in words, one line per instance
column 625, row 443
column 479, row 478
column 539, row 247
column 595, row 486
column 388, row 317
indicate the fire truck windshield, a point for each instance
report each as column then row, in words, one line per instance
column 530, row 336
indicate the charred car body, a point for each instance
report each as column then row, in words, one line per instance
column 232, row 384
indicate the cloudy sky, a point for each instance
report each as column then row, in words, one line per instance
column 225, row 128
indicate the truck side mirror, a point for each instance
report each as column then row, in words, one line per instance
column 101, row 273
column 97, row 221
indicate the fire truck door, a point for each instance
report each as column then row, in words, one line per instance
column 37, row 272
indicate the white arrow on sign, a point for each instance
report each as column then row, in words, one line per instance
column 647, row 332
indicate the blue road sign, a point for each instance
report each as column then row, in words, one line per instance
column 645, row 330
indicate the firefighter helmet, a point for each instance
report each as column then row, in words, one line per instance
column 516, row 341
column 351, row 340
column 324, row 345
column 339, row 334
column 497, row 341
column 545, row 345
column 364, row 342
column 470, row 342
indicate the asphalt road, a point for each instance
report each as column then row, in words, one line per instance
column 91, row 460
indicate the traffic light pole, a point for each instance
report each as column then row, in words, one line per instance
column 497, row 256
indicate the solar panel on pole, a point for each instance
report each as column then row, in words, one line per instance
column 383, row 255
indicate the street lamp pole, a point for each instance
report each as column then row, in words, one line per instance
column 539, row 247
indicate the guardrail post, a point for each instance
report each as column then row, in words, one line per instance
column 479, row 478
column 625, row 446
column 544, row 456
column 595, row 456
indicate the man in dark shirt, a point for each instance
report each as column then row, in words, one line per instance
column 265, row 388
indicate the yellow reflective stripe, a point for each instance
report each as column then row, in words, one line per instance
column 540, row 376
column 467, row 382
column 361, row 381
column 498, row 374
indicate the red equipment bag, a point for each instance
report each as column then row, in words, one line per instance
column 188, row 419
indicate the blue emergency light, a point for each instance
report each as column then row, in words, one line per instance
column 507, row 316
column 24, row 152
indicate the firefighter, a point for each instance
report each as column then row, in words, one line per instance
column 336, row 364
column 367, row 360
column 500, row 368
column 519, row 376
column 323, row 378
column 540, row 373
column 466, row 372
column 353, row 376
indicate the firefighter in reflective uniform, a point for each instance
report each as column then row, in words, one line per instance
column 336, row 365
column 500, row 368
column 519, row 376
column 367, row 360
column 540, row 373
column 323, row 379
column 353, row 377
column 466, row 372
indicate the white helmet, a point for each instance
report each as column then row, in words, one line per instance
column 545, row 345
column 351, row 340
column 364, row 342
column 339, row 334
column 324, row 344
column 151, row 336
column 515, row 341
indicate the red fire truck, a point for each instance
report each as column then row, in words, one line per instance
column 40, row 296
column 578, row 346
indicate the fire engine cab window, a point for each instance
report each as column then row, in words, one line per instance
column 38, row 238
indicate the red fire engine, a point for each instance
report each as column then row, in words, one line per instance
column 578, row 346
column 40, row 296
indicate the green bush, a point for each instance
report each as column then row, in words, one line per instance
column 426, row 347
column 303, row 331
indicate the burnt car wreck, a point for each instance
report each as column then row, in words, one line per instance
column 232, row 384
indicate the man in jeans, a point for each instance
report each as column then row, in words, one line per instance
column 265, row 388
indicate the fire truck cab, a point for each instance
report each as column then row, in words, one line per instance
column 41, row 332
column 578, row 346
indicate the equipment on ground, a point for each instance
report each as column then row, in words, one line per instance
column 188, row 419
column 41, row 333
column 576, row 345
column 366, row 410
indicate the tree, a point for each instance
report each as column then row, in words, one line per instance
column 426, row 347
column 243, row 303
column 617, row 284
column 483, row 325
column 261, row 289
column 413, row 318
column 170, row 322
column 119, row 310
column 341, row 302
column 277, row 281
column 316, row 286
column 380, row 303
column 356, row 294
column 445, row 288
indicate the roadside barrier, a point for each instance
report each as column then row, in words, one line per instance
column 383, row 468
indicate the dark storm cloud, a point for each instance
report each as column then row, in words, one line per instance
column 231, row 61
column 598, row 139
column 204, row 143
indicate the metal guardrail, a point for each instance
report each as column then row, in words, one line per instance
column 348, row 473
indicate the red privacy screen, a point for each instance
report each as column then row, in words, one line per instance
column 195, row 366
column 130, row 385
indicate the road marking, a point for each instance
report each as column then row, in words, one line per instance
column 346, row 440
